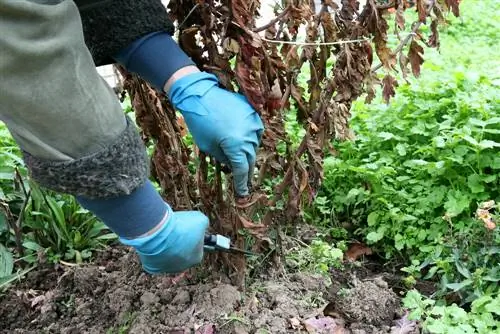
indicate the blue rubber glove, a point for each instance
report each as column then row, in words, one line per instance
column 223, row 124
column 176, row 246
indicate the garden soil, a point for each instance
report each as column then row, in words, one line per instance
column 113, row 295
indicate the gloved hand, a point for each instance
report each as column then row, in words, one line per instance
column 223, row 124
column 176, row 246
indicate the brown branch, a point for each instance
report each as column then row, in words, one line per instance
column 273, row 21
column 302, row 60
column 280, row 188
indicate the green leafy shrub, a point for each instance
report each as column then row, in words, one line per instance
column 438, row 318
column 431, row 154
column 426, row 160
column 468, row 263
column 412, row 180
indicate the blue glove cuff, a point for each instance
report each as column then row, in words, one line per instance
column 153, row 243
column 195, row 84
column 154, row 57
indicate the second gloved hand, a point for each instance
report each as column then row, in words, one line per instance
column 223, row 124
column 176, row 246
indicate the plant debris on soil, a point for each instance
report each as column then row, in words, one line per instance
column 114, row 295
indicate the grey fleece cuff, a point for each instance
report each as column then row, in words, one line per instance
column 117, row 170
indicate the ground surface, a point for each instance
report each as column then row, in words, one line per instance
column 115, row 296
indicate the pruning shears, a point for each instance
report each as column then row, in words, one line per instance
column 217, row 242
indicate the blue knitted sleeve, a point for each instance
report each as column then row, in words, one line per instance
column 154, row 57
column 132, row 215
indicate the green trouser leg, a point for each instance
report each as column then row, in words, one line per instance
column 66, row 119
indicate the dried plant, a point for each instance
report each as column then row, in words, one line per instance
column 264, row 63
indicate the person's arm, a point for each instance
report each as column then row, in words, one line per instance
column 76, row 139
column 223, row 124
column 115, row 29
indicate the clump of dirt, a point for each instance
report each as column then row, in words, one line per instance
column 115, row 296
column 369, row 304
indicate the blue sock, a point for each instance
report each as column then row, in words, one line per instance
column 154, row 57
column 131, row 215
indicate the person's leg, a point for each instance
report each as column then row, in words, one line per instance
column 76, row 138
column 66, row 119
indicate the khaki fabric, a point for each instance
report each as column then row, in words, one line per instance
column 52, row 98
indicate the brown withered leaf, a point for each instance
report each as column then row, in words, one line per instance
column 415, row 56
column 434, row 39
column 222, row 69
column 400, row 16
column 454, row 5
column 304, row 177
column 342, row 114
column 369, row 52
column 205, row 329
column 370, row 82
column 349, row 7
column 315, row 162
column 231, row 45
column 329, row 27
column 248, row 72
column 274, row 97
column 403, row 64
column 248, row 201
column 187, row 41
column 316, row 325
column 291, row 57
column 422, row 11
column 404, row 325
column 241, row 12
column 384, row 53
column 438, row 12
column 389, row 84
column 379, row 26
column 297, row 93
column 255, row 229
column 357, row 250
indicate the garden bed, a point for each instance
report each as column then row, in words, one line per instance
column 113, row 295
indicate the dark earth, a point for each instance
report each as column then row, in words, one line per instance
column 113, row 295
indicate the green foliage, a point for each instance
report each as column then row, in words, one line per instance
column 51, row 223
column 124, row 327
column 467, row 265
column 438, row 318
column 432, row 153
column 58, row 225
column 410, row 183
column 317, row 257
column 11, row 168
column 6, row 262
